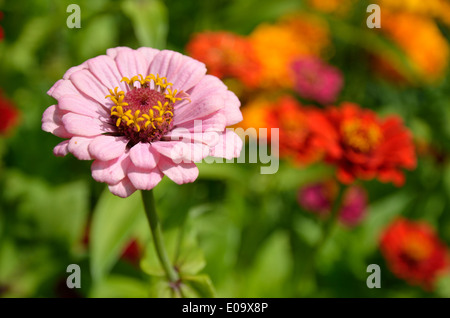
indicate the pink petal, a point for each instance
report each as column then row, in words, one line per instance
column 131, row 63
column 209, row 138
column 105, row 148
column 112, row 171
column 105, row 70
column 51, row 90
column 86, row 82
column 83, row 106
column 122, row 189
column 144, row 179
column 143, row 156
column 149, row 54
column 229, row 146
column 52, row 123
column 61, row 149
column 61, row 88
column 183, row 71
column 182, row 151
column 179, row 173
column 231, row 110
column 213, row 122
column 208, row 85
column 112, row 53
column 84, row 126
column 78, row 146
column 208, row 96
column 74, row 69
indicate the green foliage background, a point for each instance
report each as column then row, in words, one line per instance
column 232, row 233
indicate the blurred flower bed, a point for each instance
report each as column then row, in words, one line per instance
column 363, row 120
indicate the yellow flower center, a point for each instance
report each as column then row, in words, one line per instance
column 144, row 113
column 363, row 137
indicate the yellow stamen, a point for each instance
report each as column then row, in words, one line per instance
column 161, row 82
column 134, row 120
column 150, row 118
column 118, row 111
column 171, row 95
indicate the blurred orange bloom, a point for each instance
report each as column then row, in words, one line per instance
column 363, row 146
column 301, row 137
column 277, row 45
column 431, row 8
column 421, row 40
column 414, row 252
column 226, row 55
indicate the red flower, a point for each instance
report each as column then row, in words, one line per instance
column 9, row 115
column 132, row 252
column 226, row 55
column 301, row 134
column 414, row 252
column 364, row 146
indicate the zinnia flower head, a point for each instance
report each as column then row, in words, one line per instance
column 142, row 114
column 9, row 113
column 414, row 252
column 301, row 137
column 316, row 80
column 363, row 146
column 226, row 54
column 319, row 197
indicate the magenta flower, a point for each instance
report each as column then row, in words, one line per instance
column 316, row 80
column 318, row 198
column 142, row 114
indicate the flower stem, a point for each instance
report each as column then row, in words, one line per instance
column 332, row 220
column 155, row 227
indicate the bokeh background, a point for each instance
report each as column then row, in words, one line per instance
column 239, row 233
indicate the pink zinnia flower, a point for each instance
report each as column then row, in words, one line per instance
column 318, row 198
column 316, row 80
column 142, row 114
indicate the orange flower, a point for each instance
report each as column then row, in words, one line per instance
column 421, row 40
column 431, row 8
column 301, row 137
column 414, row 252
column 277, row 45
column 363, row 146
column 226, row 55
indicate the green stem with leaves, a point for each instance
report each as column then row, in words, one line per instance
column 155, row 227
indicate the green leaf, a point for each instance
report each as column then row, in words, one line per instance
column 149, row 20
column 116, row 286
column 113, row 221
column 183, row 252
column 198, row 286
